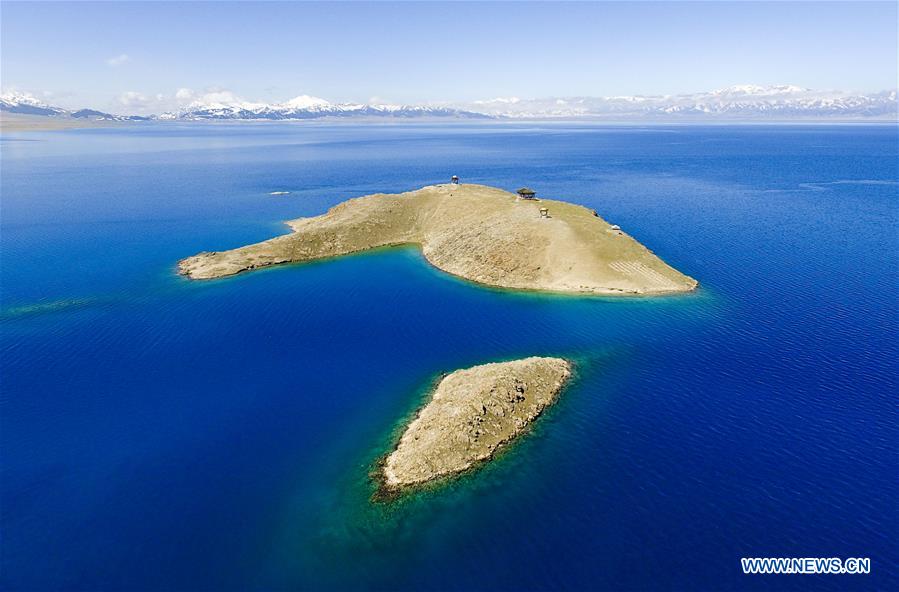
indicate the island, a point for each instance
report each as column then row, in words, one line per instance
column 471, row 414
column 479, row 233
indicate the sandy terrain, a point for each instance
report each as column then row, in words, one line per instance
column 471, row 414
column 480, row 233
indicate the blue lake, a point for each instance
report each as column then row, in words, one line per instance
column 158, row 433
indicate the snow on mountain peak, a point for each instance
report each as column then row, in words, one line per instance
column 218, row 100
column 305, row 102
column 779, row 102
column 22, row 98
column 26, row 103
column 748, row 101
column 227, row 106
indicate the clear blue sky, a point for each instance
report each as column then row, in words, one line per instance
column 95, row 53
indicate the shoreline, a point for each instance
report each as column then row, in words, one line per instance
column 416, row 248
column 17, row 123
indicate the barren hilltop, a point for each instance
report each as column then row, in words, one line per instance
column 476, row 232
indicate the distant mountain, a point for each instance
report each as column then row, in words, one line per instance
column 26, row 104
column 100, row 116
column 306, row 107
column 735, row 102
column 15, row 102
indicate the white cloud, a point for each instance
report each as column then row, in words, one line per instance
column 118, row 60
column 134, row 100
column 56, row 95
column 500, row 101
column 225, row 97
column 185, row 96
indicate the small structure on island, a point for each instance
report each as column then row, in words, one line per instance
column 615, row 227
column 544, row 212
column 454, row 180
column 526, row 193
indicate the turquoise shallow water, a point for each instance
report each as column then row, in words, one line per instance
column 165, row 434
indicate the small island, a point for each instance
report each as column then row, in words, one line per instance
column 471, row 414
column 476, row 232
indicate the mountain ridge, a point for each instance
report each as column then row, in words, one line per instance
column 739, row 102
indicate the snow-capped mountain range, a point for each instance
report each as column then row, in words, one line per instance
column 17, row 102
column 744, row 102
column 306, row 107
column 26, row 104
column 735, row 102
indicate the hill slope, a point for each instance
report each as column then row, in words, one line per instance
column 480, row 233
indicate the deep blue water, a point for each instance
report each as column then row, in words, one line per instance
column 159, row 433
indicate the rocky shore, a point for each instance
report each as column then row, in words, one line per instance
column 476, row 232
column 471, row 414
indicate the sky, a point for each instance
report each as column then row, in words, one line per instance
column 147, row 57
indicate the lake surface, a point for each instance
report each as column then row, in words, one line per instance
column 159, row 433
